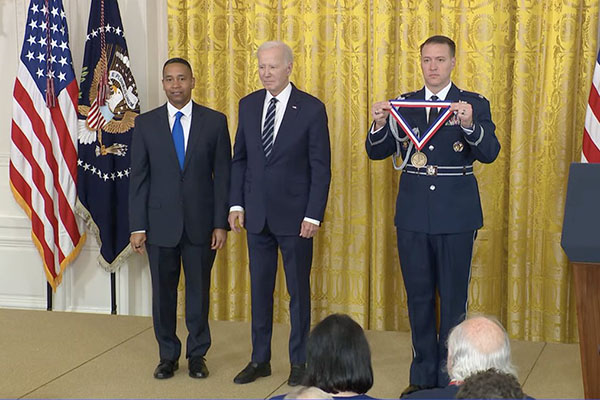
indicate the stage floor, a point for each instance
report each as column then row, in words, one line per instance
column 72, row 355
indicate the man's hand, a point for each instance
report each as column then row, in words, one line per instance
column 219, row 237
column 308, row 229
column 138, row 240
column 381, row 111
column 464, row 111
column 233, row 217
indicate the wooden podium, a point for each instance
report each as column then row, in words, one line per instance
column 581, row 243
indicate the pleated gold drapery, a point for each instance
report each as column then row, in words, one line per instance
column 532, row 60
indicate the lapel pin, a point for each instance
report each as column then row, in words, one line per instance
column 295, row 107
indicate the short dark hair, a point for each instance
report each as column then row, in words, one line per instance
column 490, row 384
column 338, row 356
column 177, row 60
column 440, row 39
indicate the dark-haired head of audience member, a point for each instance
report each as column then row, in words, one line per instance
column 338, row 357
column 491, row 384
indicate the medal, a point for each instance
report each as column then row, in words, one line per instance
column 458, row 146
column 418, row 159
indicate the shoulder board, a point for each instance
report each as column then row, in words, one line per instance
column 406, row 95
column 471, row 94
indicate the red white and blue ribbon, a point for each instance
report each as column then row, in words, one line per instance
column 420, row 141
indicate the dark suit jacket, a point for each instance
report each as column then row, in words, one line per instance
column 162, row 198
column 438, row 205
column 294, row 182
column 448, row 392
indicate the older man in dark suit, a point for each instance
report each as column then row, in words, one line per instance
column 178, row 207
column 279, row 186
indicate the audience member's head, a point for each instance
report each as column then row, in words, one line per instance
column 478, row 344
column 338, row 356
column 307, row 392
column 490, row 384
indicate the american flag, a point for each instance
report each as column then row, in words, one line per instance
column 590, row 152
column 43, row 156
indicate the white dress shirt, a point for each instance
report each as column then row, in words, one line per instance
column 186, row 119
column 280, row 107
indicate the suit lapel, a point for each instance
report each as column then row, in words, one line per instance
column 165, row 134
column 255, row 111
column 289, row 119
column 453, row 94
column 195, row 132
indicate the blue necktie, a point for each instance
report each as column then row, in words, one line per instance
column 178, row 139
column 269, row 128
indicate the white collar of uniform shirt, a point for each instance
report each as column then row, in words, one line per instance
column 441, row 95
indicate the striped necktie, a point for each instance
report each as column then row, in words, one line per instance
column 178, row 138
column 269, row 128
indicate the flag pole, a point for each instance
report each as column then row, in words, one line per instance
column 113, row 294
column 48, row 297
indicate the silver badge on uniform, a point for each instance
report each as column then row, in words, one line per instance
column 458, row 146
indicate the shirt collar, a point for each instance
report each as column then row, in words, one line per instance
column 283, row 97
column 441, row 94
column 186, row 110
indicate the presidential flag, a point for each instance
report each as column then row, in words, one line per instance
column 43, row 155
column 590, row 151
column 108, row 105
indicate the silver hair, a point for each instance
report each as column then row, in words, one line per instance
column 288, row 55
column 465, row 359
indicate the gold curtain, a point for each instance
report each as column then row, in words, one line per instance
column 532, row 60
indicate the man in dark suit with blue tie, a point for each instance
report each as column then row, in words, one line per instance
column 178, row 208
column 438, row 211
column 279, row 186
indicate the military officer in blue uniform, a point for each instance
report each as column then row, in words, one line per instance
column 438, row 210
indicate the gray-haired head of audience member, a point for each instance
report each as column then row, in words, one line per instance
column 478, row 344
column 308, row 392
column 491, row 384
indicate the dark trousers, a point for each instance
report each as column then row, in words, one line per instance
column 165, row 266
column 297, row 260
column 431, row 262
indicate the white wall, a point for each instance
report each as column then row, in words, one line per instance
column 85, row 286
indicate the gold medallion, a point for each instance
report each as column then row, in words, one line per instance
column 418, row 159
column 458, row 146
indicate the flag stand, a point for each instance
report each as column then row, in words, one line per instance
column 48, row 297
column 113, row 294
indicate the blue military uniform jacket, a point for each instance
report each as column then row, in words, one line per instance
column 443, row 198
